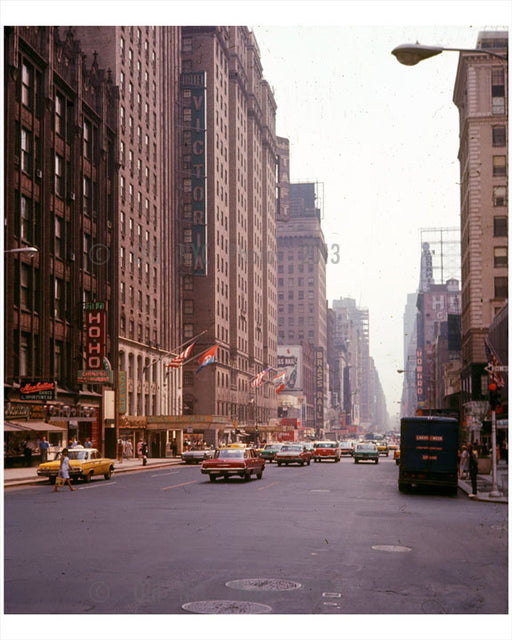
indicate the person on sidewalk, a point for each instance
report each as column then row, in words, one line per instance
column 120, row 450
column 473, row 470
column 87, row 443
column 144, row 453
column 43, row 448
column 64, row 470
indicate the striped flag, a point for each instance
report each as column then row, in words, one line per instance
column 259, row 378
column 493, row 361
column 207, row 358
column 279, row 381
column 178, row 360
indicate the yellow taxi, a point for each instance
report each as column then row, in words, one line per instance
column 83, row 464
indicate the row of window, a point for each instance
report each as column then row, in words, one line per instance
column 27, row 363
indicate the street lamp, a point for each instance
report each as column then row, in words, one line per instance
column 411, row 54
column 30, row 250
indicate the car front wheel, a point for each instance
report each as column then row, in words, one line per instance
column 87, row 477
column 108, row 475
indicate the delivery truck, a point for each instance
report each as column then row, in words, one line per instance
column 428, row 452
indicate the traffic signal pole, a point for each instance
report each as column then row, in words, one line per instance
column 494, row 491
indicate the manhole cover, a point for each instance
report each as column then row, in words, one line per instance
column 394, row 548
column 226, row 607
column 263, row 584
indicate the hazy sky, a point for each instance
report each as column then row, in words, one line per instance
column 381, row 138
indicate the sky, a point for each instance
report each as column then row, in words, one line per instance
column 380, row 138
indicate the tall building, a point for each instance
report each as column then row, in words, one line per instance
column 61, row 177
column 234, row 299
column 480, row 94
column 145, row 64
column 409, row 395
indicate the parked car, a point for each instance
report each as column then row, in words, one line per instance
column 366, row 451
column 327, row 450
column 195, row 456
column 83, row 464
column 347, row 447
column 293, row 453
column 269, row 450
column 233, row 462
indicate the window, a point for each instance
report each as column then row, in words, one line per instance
column 188, row 307
column 87, row 204
column 87, row 245
column 27, row 85
column 498, row 90
column 500, row 226
column 59, row 237
column 26, row 219
column 499, row 196
column 499, row 165
column 87, row 151
column 59, row 175
column 59, row 115
column 26, row 151
column 500, row 257
column 499, row 136
column 188, row 330
column 501, row 287
column 59, row 299
column 187, row 45
column 26, row 287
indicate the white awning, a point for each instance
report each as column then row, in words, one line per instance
column 24, row 425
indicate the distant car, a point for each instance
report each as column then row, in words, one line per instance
column 83, row 464
column 229, row 462
column 382, row 447
column 366, row 451
column 396, row 456
column 327, row 450
column 392, row 446
column 347, row 447
column 195, row 456
column 269, row 450
column 290, row 453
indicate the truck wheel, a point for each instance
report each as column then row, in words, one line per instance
column 403, row 487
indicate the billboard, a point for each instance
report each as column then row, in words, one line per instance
column 289, row 358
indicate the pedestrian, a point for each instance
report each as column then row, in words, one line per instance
column 87, row 443
column 144, row 453
column 64, row 470
column 174, row 447
column 43, row 448
column 120, row 450
column 27, row 452
column 504, row 450
column 74, row 443
column 464, row 463
column 128, row 450
column 473, row 470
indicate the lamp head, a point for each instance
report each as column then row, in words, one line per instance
column 411, row 54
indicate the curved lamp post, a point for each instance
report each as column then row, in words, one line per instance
column 30, row 250
column 411, row 54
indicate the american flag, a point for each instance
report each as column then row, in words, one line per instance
column 178, row 360
column 492, row 359
column 259, row 378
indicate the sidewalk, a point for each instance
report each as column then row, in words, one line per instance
column 484, row 485
column 28, row 475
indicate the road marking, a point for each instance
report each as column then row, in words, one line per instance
column 331, row 595
column 273, row 484
column 99, row 484
column 175, row 486
column 161, row 475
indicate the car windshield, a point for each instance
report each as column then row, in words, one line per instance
column 236, row 454
column 326, row 445
column 366, row 447
column 346, row 444
column 291, row 447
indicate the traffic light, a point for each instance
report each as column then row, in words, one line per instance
column 494, row 399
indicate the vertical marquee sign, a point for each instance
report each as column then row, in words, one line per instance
column 420, row 387
column 95, row 341
column 319, row 387
column 194, row 188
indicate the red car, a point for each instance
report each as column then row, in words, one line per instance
column 293, row 453
column 229, row 461
column 327, row 450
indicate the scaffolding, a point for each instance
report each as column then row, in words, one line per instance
column 443, row 245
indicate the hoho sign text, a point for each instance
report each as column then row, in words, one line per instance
column 95, row 334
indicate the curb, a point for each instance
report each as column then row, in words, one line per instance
column 483, row 496
column 35, row 481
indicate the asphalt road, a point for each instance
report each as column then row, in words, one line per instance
column 322, row 539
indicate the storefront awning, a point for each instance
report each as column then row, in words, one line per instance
column 23, row 425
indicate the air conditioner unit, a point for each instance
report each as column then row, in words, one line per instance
column 39, row 174
column 71, row 196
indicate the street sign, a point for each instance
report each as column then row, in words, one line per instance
column 501, row 368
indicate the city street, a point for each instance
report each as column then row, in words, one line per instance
column 321, row 539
